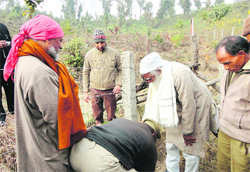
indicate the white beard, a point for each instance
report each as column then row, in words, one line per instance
column 52, row 52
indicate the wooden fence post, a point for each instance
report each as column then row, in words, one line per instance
column 128, row 86
column 214, row 34
column 222, row 33
column 232, row 34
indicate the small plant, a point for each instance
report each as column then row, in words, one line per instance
column 76, row 49
column 177, row 39
column 159, row 39
column 67, row 29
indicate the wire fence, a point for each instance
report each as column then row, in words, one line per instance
column 77, row 73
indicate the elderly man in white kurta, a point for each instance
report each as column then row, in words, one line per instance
column 182, row 103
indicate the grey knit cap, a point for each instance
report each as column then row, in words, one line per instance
column 99, row 36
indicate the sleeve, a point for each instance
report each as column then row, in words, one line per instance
column 119, row 69
column 86, row 73
column 185, row 90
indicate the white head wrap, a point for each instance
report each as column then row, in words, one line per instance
column 150, row 62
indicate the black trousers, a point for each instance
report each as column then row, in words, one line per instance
column 8, row 87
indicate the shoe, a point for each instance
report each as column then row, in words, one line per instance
column 2, row 123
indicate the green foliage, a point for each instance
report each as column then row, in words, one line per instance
column 179, row 25
column 69, row 10
column 166, row 8
column 32, row 4
column 124, row 9
column 197, row 4
column 75, row 49
column 15, row 13
column 185, row 5
column 177, row 39
column 216, row 13
column 80, row 10
column 158, row 38
column 214, row 43
column 106, row 4
column 148, row 14
column 67, row 29
column 141, row 4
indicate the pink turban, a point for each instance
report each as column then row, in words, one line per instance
column 40, row 27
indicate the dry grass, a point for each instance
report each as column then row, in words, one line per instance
column 7, row 145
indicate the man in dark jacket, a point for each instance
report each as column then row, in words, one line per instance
column 119, row 145
column 9, row 84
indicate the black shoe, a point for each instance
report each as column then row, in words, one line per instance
column 2, row 123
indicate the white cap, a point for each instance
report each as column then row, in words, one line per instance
column 150, row 62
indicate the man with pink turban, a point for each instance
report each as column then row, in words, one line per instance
column 48, row 115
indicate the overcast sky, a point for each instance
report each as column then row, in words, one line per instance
column 95, row 7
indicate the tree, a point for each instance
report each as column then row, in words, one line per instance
column 10, row 4
column 207, row 3
column 141, row 4
column 216, row 13
column 219, row 1
column 166, row 8
column 124, row 9
column 185, row 5
column 148, row 14
column 197, row 4
column 32, row 4
column 69, row 9
column 106, row 6
column 80, row 10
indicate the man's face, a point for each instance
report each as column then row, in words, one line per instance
column 230, row 62
column 151, row 77
column 54, row 48
column 100, row 45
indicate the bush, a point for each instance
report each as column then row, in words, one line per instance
column 177, row 39
column 158, row 38
column 76, row 50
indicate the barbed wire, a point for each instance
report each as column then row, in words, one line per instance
column 97, row 96
column 7, row 152
column 7, row 113
column 101, row 68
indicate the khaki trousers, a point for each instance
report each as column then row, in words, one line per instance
column 87, row 156
column 232, row 154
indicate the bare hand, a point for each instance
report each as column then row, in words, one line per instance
column 117, row 89
column 3, row 44
column 86, row 97
column 189, row 140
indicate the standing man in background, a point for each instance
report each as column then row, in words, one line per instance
column 178, row 100
column 48, row 114
column 234, row 122
column 102, row 74
column 8, row 85
column 246, row 28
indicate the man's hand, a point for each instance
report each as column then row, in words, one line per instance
column 3, row 44
column 117, row 89
column 189, row 140
column 86, row 97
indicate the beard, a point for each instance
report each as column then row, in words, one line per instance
column 52, row 53
column 157, row 80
